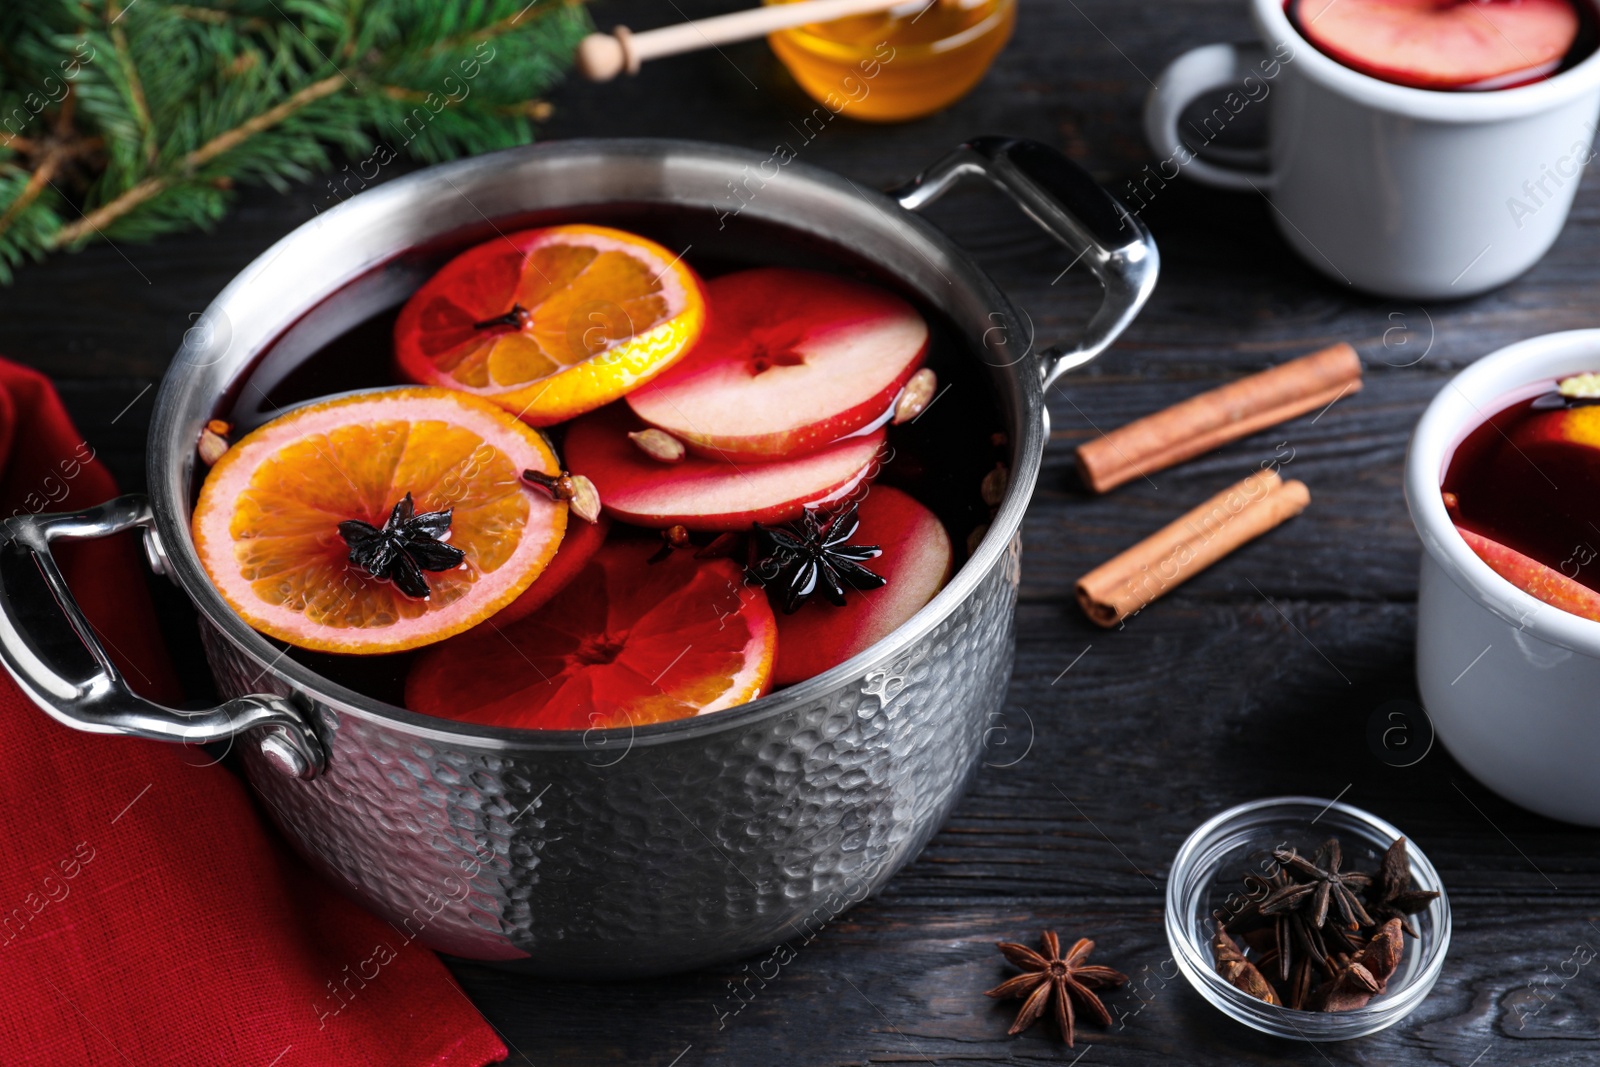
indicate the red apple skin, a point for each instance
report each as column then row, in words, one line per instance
column 1443, row 44
column 791, row 361
column 917, row 561
column 1529, row 575
column 581, row 541
column 711, row 494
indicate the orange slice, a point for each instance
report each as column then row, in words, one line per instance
column 628, row 642
column 267, row 522
column 552, row 323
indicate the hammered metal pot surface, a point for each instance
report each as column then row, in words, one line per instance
column 615, row 853
column 633, row 859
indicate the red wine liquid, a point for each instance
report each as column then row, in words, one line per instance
column 346, row 343
column 1543, row 502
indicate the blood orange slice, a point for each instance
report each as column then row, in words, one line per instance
column 551, row 323
column 627, row 642
column 578, row 546
column 267, row 524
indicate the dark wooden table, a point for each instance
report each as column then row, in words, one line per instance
column 1259, row 677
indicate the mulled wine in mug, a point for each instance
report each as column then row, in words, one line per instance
column 1415, row 148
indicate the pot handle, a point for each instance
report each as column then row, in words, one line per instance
column 38, row 651
column 1067, row 203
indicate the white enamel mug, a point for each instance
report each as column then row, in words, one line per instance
column 1511, row 684
column 1402, row 192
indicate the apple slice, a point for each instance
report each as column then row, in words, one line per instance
column 578, row 546
column 1527, row 574
column 710, row 494
column 916, row 562
column 1443, row 44
column 792, row 361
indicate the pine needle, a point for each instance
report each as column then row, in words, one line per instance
column 134, row 120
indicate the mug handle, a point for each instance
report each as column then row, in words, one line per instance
column 1214, row 66
column 1066, row 202
column 38, row 650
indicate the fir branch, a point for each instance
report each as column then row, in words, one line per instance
column 51, row 156
column 29, row 227
column 42, row 173
column 170, row 105
column 103, row 216
column 135, row 89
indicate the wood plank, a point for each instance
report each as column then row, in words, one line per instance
column 887, row 984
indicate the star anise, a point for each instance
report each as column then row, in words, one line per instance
column 1050, row 976
column 1300, row 984
column 1326, row 885
column 407, row 545
column 1390, row 895
column 1238, row 971
column 1293, row 936
column 1366, row 974
column 1289, row 949
column 803, row 557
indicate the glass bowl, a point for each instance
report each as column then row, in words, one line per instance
column 1210, row 869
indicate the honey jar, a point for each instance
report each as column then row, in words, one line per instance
column 883, row 68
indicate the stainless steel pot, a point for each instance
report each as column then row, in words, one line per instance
column 612, row 852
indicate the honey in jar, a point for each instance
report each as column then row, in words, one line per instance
column 882, row 68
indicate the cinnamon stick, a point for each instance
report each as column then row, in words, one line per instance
column 1177, row 552
column 1214, row 418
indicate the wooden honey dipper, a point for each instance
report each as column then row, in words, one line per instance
column 602, row 56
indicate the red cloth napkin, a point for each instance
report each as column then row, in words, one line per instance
column 147, row 917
